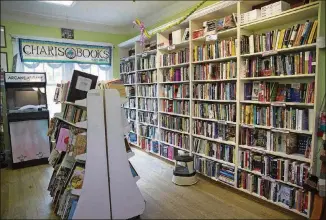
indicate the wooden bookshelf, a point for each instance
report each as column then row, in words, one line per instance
column 282, row 20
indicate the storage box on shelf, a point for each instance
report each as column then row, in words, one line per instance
column 247, row 86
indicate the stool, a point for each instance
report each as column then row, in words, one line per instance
column 184, row 173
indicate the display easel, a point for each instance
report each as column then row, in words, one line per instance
column 109, row 190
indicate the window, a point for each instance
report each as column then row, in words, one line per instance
column 57, row 72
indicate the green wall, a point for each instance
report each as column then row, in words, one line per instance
column 15, row 28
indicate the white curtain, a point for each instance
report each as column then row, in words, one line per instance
column 57, row 72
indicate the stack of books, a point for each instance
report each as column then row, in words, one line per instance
column 147, row 104
column 148, row 62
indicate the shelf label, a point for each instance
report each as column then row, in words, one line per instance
column 269, row 53
column 212, row 37
column 144, row 55
column 172, row 47
column 278, row 104
column 221, row 122
column 280, row 130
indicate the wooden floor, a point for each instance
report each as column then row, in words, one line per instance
column 24, row 195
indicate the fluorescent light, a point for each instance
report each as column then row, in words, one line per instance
column 64, row 3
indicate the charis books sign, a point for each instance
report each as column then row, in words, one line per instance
column 58, row 52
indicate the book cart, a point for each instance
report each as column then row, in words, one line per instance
column 242, row 100
column 100, row 182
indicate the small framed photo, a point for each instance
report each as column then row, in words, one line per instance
column 67, row 33
column 4, row 62
column 3, row 37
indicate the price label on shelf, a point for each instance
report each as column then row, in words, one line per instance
column 278, row 104
column 172, row 47
column 144, row 55
column 222, row 122
column 280, row 130
column 269, row 53
column 212, row 37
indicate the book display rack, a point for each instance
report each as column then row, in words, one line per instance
column 236, row 85
column 75, row 196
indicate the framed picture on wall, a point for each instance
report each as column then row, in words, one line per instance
column 3, row 37
column 4, row 62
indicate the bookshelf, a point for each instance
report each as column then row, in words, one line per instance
column 226, row 101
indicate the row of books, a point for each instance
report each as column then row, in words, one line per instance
column 275, row 168
column 147, row 77
column 74, row 114
column 215, row 150
column 181, row 56
column 176, row 106
column 167, row 151
column 147, row 131
column 292, row 118
column 216, row 71
column 255, row 115
column 219, row 49
column 129, row 78
column 176, row 91
column 131, row 103
column 280, row 65
column 288, row 143
column 148, row 62
column 177, row 139
column 130, row 91
column 292, row 197
column 176, row 74
column 130, row 114
column 214, row 130
column 215, row 91
column 175, row 123
column 127, row 66
column 147, row 90
column 278, row 92
column 297, row 35
column 147, row 104
column 225, row 112
column 214, row 169
column 147, row 117
column 145, row 143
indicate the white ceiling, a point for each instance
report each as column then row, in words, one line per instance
column 103, row 16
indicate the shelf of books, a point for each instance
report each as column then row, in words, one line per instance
column 237, row 87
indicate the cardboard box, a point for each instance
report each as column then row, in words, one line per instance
column 177, row 36
column 274, row 9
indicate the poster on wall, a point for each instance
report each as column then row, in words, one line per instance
column 4, row 62
column 59, row 52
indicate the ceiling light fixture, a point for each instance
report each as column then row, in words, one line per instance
column 63, row 3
